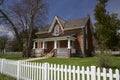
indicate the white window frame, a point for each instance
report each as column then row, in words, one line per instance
column 56, row 30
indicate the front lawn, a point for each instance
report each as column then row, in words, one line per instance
column 11, row 56
column 89, row 61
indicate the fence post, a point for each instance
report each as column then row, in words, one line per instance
column 93, row 72
column 18, row 70
column 2, row 65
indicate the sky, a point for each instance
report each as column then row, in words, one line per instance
column 73, row 9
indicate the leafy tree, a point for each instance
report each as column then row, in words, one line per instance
column 106, row 26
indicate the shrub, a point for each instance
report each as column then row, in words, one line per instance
column 104, row 59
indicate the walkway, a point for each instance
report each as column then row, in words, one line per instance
column 32, row 59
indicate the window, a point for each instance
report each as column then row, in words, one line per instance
column 56, row 30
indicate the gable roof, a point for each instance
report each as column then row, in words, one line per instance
column 66, row 25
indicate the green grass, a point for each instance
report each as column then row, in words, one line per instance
column 89, row 61
column 12, row 56
column 4, row 77
column 70, row 61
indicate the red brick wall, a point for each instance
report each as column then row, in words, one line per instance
column 90, row 40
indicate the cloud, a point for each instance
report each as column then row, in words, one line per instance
column 5, row 31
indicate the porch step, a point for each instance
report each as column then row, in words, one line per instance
column 61, row 55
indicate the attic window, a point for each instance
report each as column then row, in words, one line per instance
column 56, row 30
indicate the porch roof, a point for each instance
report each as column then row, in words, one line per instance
column 56, row 38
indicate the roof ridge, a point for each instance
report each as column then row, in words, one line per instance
column 76, row 19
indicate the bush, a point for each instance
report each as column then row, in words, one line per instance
column 104, row 59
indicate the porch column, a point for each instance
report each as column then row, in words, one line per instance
column 43, row 45
column 34, row 45
column 69, row 43
column 68, row 50
column 55, row 44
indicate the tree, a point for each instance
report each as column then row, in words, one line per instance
column 30, row 19
column 27, row 20
column 3, row 41
column 106, row 26
column 5, row 18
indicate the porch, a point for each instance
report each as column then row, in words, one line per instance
column 61, row 46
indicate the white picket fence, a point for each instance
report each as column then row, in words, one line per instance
column 37, row 71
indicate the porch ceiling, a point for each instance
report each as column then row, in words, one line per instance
column 56, row 38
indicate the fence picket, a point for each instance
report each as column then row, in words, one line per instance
column 37, row 71
column 110, row 74
column 88, row 73
column 58, row 72
column 74, row 73
column 69, row 68
column 54, row 72
column 51, row 72
column 104, row 74
column 32, row 71
column 98, row 74
column 62, row 72
column 93, row 73
column 43, row 68
column 117, row 74
column 78, row 73
column 83, row 73
column 40, row 73
column 65, row 72
column 48, row 65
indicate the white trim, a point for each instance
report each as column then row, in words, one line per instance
column 79, row 27
column 34, row 45
column 43, row 45
column 56, row 38
column 56, row 30
column 69, row 46
column 55, row 44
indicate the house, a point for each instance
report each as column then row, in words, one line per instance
column 65, row 38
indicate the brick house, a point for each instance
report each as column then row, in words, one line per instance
column 65, row 38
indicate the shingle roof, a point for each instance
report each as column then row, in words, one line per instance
column 44, row 29
column 67, row 25
column 78, row 23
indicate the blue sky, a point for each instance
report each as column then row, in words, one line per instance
column 72, row 9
